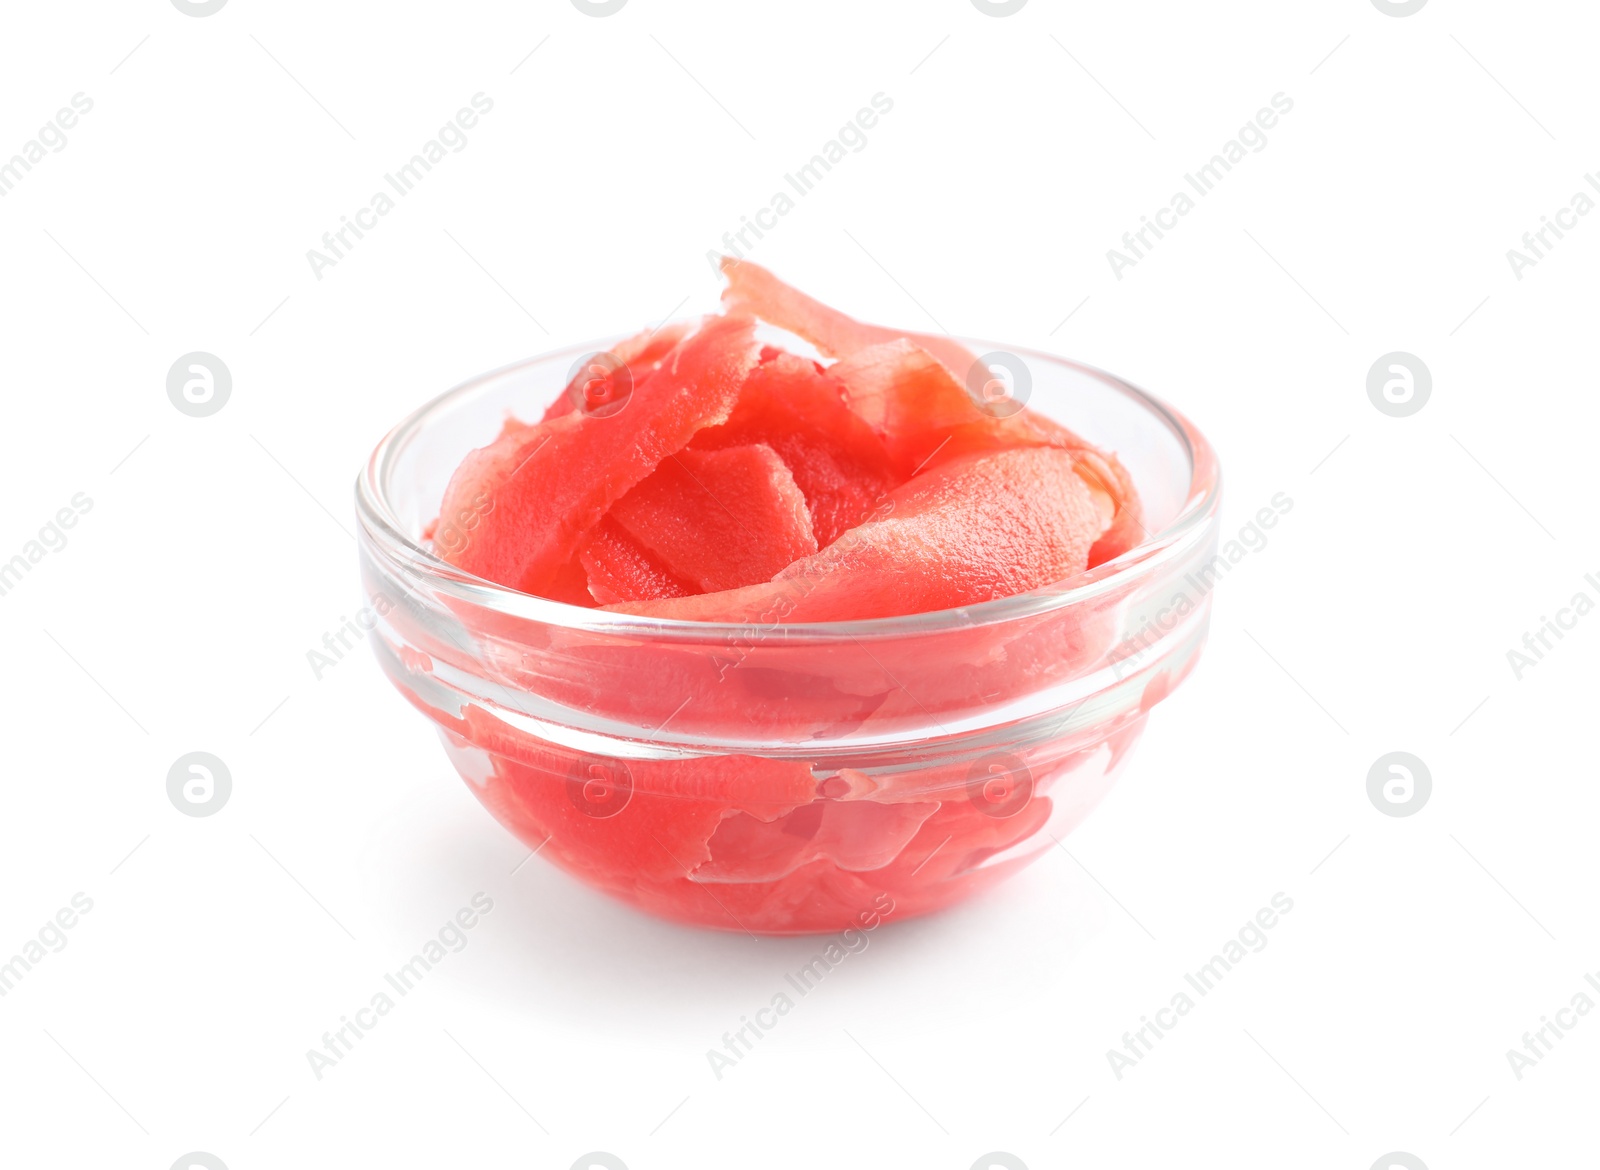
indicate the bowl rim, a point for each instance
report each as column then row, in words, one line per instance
column 382, row 534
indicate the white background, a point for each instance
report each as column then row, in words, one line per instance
column 1378, row 618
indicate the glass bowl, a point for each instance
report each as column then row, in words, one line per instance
column 791, row 779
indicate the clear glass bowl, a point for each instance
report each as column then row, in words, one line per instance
column 791, row 779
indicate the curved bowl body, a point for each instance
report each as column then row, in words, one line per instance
column 792, row 778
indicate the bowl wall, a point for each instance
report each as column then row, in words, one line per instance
column 790, row 778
